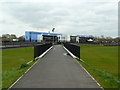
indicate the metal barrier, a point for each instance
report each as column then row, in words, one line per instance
column 19, row 44
column 40, row 49
column 75, row 50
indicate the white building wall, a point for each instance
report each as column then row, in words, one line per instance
column 39, row 38
column 64, row 38
column 77, row 39
column 68, row 38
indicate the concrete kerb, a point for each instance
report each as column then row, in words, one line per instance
column 83, row 67
column 40, row 55
column 30, row 67
column 70, row 53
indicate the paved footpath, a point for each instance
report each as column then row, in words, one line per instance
column 56, row 70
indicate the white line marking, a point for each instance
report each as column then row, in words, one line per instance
column 90, row 75
column 83, row 67
column 29, row 62
column 82, row 60
column 70, row 52
column 29, row 68
column 45, row 52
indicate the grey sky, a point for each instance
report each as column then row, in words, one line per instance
column 76, row 17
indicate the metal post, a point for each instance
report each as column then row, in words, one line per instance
column 30, row 36
column 53, row 39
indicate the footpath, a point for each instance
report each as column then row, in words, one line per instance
column 56, row 69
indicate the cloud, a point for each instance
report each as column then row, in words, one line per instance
column 73, row 17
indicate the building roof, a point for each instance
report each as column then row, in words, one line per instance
column 84, row 36
column 43, row 33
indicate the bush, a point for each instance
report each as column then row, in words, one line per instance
column 23, row 65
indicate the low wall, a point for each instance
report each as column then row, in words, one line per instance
column 75, row 50
column 40, row 49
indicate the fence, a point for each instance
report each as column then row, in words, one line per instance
column 6, row 44
column 40, row 49
column 75, row 50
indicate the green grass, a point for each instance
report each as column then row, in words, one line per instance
column 11, row 62
column 102, row 63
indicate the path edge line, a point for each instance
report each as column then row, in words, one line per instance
column 30, row 68
column 70, row 52
column 83, row 67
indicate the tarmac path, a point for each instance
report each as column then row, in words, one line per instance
column 56, row 70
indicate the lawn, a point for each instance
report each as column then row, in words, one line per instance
column 102, row 63
column 11, row 62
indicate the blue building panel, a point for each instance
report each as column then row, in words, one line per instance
column 32, row 36
column 27, row 36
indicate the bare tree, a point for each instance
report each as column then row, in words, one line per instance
column 21, row 38
column 13, row 36
column 6, row 37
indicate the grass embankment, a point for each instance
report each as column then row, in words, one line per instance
column 12, row 59
column 102, row 63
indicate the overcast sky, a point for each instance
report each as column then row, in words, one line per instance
column 75, row 17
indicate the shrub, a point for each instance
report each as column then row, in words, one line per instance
column 23, row 65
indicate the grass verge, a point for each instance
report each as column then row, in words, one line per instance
column 105, row 79
column 14, row 64
column 102, row 63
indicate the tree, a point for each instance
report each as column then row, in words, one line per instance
column 13, row 36
column 117, row 39
column 102, row 36
column 21, row 38
column 6, row 37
